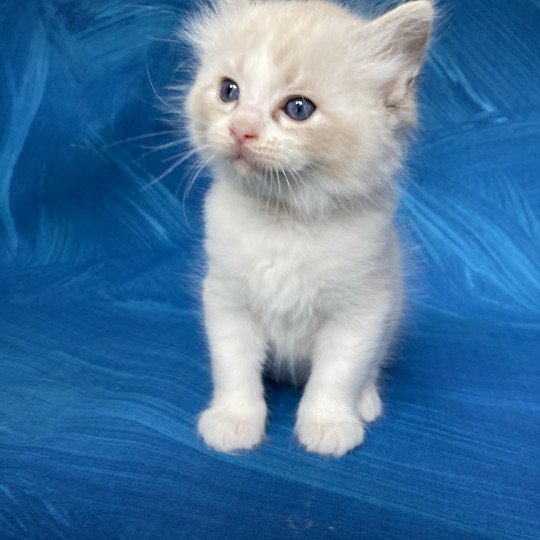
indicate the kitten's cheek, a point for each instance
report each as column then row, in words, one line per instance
column 194, row 105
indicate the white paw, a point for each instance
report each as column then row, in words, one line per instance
column 329, row 436
column 369, row 404
column 227, row 430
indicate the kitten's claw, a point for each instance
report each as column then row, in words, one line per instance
column 332, row 437
column 369, row 404
column 227, row 430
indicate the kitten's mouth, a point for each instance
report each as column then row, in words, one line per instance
column 244, row 162
column 249, row 164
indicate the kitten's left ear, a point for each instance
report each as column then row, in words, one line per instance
column 396, row 43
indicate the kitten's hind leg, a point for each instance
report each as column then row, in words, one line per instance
column 369, row 405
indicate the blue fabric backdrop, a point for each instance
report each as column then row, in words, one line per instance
column 103, row 365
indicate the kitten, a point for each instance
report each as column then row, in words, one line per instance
column 300, row 108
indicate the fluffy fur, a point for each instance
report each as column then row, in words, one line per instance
column 304, row 272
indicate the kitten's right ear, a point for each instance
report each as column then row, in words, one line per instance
column 396, row 44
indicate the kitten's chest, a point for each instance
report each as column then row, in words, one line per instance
column 281, row 270
column 290, row 275
column 284, row 287
column 275, row 265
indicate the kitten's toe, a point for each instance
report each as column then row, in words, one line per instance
column 369, row 404
column 227, row 430
column 328, row 436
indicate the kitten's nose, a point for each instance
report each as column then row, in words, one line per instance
column 245, row 125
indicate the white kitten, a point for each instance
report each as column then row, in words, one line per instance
column 300, row 108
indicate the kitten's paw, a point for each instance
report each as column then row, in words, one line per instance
column 331, row 437
column 369, row 404
column 227, row 430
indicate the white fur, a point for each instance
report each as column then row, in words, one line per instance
column 304, row 271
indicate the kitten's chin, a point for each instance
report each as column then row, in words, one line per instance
column 243, row 165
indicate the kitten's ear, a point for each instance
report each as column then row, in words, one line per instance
column 396, row 44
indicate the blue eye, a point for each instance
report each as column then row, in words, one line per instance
column 299, row 108
column 229, row 91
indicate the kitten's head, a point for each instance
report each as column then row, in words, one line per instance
column 302, row 100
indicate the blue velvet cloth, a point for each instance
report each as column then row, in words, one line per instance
column 103, row 364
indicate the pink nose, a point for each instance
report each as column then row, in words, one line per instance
column 245, row 125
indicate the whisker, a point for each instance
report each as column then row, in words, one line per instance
column 175, row 165
column 190, row 184
column 176, row 156
column 291, row 189
column 281, row 197
column 164, row 146
column 166, row 105
column 298, row 177
column 137, row 138
column 193, row 179
column 155, row 149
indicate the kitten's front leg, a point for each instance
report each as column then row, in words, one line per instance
column 236, row 417
column 346, row 358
